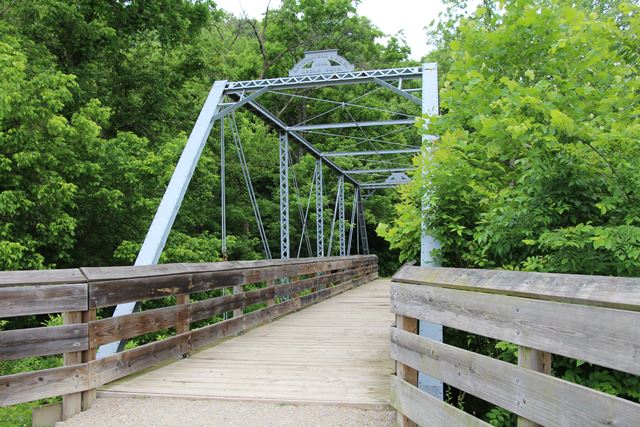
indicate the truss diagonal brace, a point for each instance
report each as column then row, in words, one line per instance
column 398, row 91
column 170, row 204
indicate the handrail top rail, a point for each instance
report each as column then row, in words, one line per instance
column 92, row 274
column 601, row 291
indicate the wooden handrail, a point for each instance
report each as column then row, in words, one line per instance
column 594, row 319
column 77, row 293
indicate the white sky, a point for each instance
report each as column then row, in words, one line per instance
column 391, row 16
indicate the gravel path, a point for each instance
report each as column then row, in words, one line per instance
column 117, row 412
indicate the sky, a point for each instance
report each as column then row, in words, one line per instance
column 410, row 16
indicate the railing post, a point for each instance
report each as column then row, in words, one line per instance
column 89, row 396
column 405, row 372
column 535, row 360
column 72, row 403
column 238, row 290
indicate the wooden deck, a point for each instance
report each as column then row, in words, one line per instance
column 334, row 352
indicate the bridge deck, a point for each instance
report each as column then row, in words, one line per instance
column 335, row 352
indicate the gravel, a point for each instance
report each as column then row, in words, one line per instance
column 119, row 412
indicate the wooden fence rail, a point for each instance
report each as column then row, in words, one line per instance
column 78, row 293
column 590, row 318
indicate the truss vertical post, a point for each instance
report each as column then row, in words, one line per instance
column 427, row 242
column 172, row 199
column 319, row 211
column 223, row 196
column 362, row 226
column 354, row 207
column 284, row 195
column 341, row 236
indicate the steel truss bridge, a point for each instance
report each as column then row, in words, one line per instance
column 383, row 159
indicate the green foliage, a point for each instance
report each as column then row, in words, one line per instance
column 534, row 168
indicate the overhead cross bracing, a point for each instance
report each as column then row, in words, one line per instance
column 347, row 120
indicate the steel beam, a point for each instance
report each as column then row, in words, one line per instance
column 370, row 171
column 428, row 243
column 319, row 210
column 269, row 118
column 284, row 195
column 341, row 236
column 398, row 91
column 321, row 80
column 174, row 194
column 223, row 195
column 369, row 153
column 302, row 128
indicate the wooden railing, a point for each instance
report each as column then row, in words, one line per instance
column 589, row 318
column 78, row 293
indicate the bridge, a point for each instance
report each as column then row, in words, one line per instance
column 326, row 331
column 320, row 329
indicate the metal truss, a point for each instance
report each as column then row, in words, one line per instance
column 319, row 210
column 370, row 153
column 354, row 124
column 284, row 195
column 245, row 94
column 341, row 236
column 376, row 171
column 320, row 80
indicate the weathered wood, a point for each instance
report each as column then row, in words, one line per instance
column 602, row 336
column 215, row 306
column 128, row 362
column 20, row 343
column 94, row 274
column 335, row 352
column 533, row 395
column 182, row 324
column 116, row 291
column 113, row 329
column 535, row 360
column 88, row 396
column 427, row 410
column 238, row 290
column 603, row 291
column 404, row 372
column 40, row 277
column 46, row 415
column 42, row 299
column 72, row 402
column 36, row 385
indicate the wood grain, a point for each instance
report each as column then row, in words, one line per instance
column 333, row 352
column 426, row 409
column 602, row 336
column 40, row 277
column 406, row 374
column 35, row 385
column 20, row 343
column 535, row 360
column 602, row 291
column 533, row 395
column 42, row 299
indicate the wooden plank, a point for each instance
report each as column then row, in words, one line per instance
column 129, row 272
column 238, row 290
column 533, row 395
column 128, row 362
column 602, row 291
column 20, row 343
column 406, row 373
column 111, row 292
column 602, row 336
column 182, row 324
column 72, row 402
column 426, row 410
column 42, row 299
column 40, row 277
column 214, row 306
column 535, row 360
column 89, row 396
column 333, row 352
column 112, row 329
column 28, row 386
column 46, row 415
